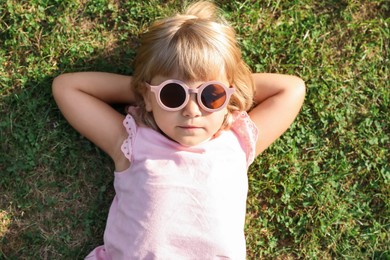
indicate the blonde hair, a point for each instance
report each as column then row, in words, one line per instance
column 195, row 46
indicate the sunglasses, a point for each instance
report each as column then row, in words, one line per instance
column 173, row 95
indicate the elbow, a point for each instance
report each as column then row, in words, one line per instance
column 55, row 86
column 58, row 85
column 300, row 84
column 300, row 87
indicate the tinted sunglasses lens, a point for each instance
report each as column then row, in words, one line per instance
column 172, row 95
column 213, row 96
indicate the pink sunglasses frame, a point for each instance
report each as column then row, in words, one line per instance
column 157, row 90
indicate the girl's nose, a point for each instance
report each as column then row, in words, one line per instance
column 192, row 108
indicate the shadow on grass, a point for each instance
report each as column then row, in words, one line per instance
column 56, row 186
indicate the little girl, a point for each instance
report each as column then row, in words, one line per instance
column 182, row 151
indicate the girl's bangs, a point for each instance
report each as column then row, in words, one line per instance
column 190, row 61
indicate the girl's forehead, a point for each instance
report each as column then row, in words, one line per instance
column 221, row 77
column 190, row 76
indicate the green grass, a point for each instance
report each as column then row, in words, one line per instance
column 321, row 191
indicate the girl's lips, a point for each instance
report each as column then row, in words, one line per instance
column 189, row 127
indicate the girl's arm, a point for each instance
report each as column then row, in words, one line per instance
column 84, row 98
column 279, row 99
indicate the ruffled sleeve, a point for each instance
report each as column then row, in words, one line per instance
column 131, row 128
column 247, row 133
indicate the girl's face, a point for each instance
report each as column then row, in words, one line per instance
column 190, row 125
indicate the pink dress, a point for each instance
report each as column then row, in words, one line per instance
column 177, row 202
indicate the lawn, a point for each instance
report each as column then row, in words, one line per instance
column 320, row 192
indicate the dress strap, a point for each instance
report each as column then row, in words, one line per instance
column 247, row 131
column 131, row 128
